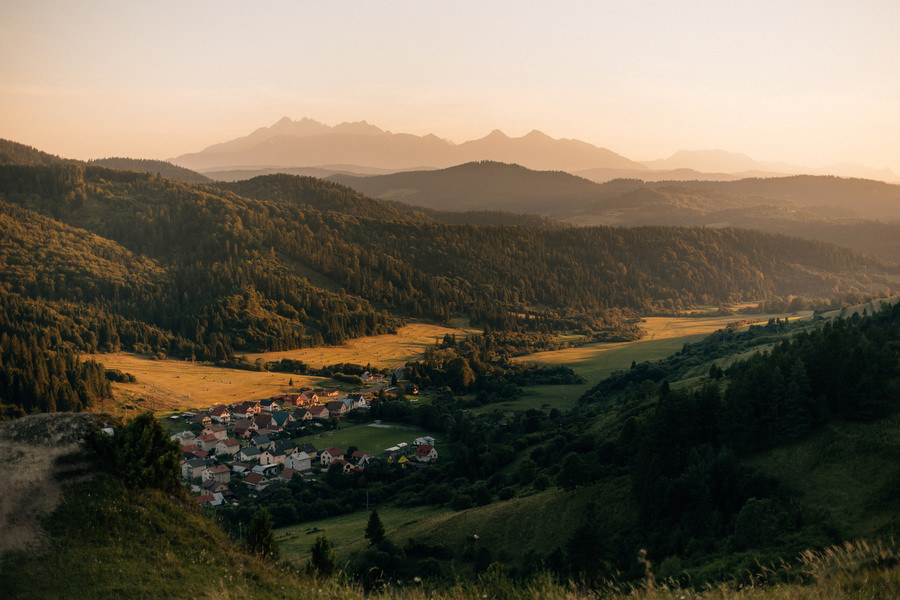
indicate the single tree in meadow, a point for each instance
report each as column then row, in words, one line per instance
column 321, row 561
column 374, row 529
column 260, row 537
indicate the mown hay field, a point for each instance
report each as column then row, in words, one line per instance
column 164, row 385
column 380, row 351
column 181, row 385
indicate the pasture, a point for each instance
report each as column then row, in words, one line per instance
column 380, row 351
column 373, row 438
column 347, row 532
column 594, row 362
column 181, row 385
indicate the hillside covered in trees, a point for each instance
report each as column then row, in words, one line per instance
column 120, row 259
column 855, row 213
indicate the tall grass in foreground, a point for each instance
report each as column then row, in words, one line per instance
column 854, row 570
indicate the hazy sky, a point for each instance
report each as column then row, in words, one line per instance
column 807, row 82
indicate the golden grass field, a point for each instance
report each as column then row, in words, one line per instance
column 180, row 385
column 390, row 350
column 657, row 329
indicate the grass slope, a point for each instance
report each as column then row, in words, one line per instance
column 849, row 472
column 106, row 541
column 373, row 438
column 347, row 532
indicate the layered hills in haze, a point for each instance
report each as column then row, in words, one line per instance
column 307, row 147
column 856, row 213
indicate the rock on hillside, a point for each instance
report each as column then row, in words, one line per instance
column 31, row 447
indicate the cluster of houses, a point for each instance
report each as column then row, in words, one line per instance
column 251, row 440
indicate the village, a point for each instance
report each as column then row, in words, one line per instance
column 254, row 442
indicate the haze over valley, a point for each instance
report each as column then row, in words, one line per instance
column 308, row 147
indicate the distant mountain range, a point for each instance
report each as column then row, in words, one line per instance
column 308, row 143
column 313, row 148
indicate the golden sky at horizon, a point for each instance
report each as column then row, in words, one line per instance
column 809, row 83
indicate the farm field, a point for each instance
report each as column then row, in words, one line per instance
column 380, row 351
column 180, row 385
column 594, row 362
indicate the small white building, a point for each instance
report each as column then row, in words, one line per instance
column 298, row 461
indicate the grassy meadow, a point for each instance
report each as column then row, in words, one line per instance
column 180, row 385
column 347, row 532
column 594, row 362
column 368, row 437
column 170, row 385
column 849, row 472
column 380, row 351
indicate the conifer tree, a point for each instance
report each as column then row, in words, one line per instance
column 321, row 561
column 375, row 529
column 261, row 536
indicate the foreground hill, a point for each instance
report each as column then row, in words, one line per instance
column 154, row 543
column 855, row 213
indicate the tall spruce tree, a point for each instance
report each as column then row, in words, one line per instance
column 321, row 561
column 374, row 529
column 261, row 535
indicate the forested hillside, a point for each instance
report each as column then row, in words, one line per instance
column 155, row 167
column 132, row 260
column 854, row 213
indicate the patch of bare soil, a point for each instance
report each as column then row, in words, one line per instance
column 29, row 474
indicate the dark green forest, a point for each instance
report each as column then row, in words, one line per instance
column 131, row 260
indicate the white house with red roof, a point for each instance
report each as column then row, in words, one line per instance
column 256, row 481
column 220, row 414
column 217, row 429
column 425, row 453
column 330, row 455
column 207, row 442
column 319, row 411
